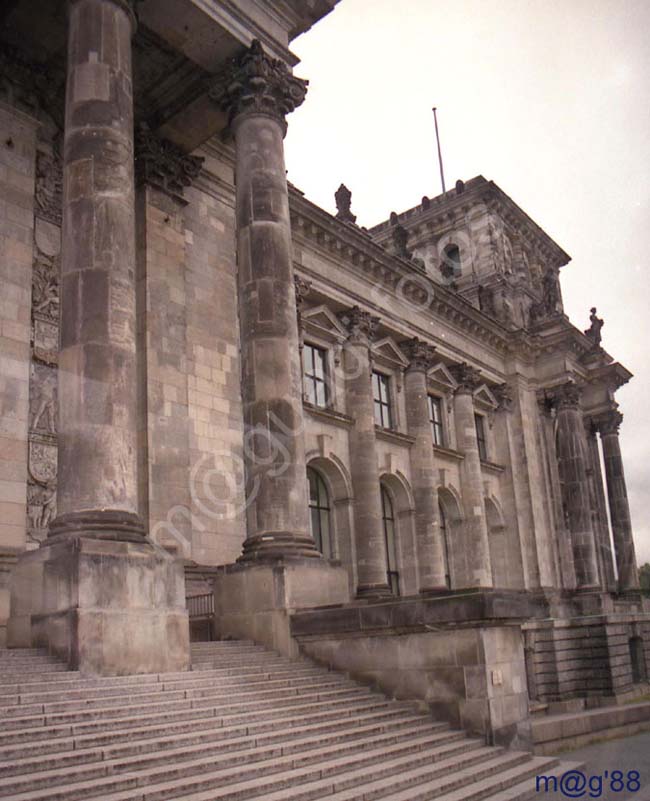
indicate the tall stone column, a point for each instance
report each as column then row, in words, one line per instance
column 478, row 570
column 98, row 593
column 97, row 489
column 430, row 552
column 258, row 92
column 628, row 577
column 572, row 465
column 364, row 470
column 601, row 524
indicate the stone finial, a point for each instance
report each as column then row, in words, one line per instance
column 504, row 395
column 400, row 238
column 343, row 198
column 160, row 163
column 420, row 354
column 255, row 83
column 593, row 332
column 468, row 378
column 360, row 324
column 609, row 423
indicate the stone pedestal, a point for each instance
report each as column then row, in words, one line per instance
column 619, row 508
column 478, row 571
column 364, row 470
column 430, row 553
column 104, row 607
column 255, row 601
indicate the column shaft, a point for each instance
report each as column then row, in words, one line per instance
column 572, row 466
column 369, row 539
column 97, row 489
column 606, row 559
column 619, row 508
column 430, row 553
column 478, row 570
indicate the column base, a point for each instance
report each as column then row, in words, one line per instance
column 106, row 607
column 114, row 525
column 255, row 600
column 283, row 545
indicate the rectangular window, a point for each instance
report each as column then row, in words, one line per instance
column 435, row 418
column 381, row 393
column 481, row 440
column 315, row 375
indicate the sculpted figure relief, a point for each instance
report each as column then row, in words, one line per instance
column 43, row 399
column 45, row 286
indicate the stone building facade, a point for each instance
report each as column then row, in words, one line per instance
column 387, row 448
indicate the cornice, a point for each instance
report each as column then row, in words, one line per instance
column 452, row 206
column 329, row 415
column 389, row 435
column 356, row 249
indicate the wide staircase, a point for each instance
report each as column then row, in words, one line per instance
column 244, row 723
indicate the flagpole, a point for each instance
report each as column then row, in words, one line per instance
column 442, row 172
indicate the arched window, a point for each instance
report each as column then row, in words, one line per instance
column 319, row 512
column 451, row 264
column 444, row 531
column 388, row 521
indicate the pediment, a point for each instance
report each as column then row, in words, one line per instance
column 323, row 321
column 484, row 396
column 440, row 375
column 388, row 351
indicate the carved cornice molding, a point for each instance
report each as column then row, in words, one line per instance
column 160, row 163
column 421, row 355
column 255, row 83
column 467, row 377
column 360, row 324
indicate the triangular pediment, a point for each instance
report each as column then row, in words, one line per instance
column 323, row 321
column 484, row 396
column 441, row 375
column 388, row 350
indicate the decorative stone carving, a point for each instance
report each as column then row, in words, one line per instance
column 42, row 399
column 468, row 378
column 565, row 396
column 49, row 187
column 360, row 324
column 400, row 238
column 343, row 199
column 302, row 291
column 593, row 332
column 504, row 396
column 41, row 486
column 609, row 423
column 257, row 83
column 45, row 287
column 550, row 304
column 160, row 163
column 420, row 354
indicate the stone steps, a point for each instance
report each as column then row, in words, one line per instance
column 243, row 723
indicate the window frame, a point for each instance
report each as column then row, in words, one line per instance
column 319, row 509
column 481, row 437
column 312, row 380
column 392, row 575
column 387, row 405
column 435, row 401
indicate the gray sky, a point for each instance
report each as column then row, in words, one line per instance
column 548, row 99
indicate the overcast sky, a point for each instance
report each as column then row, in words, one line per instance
column 549, row 99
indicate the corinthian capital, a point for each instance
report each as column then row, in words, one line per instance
column 255, row 83
column 361, row 325
column 420, row 355
column 467, row 377
column 565, row 396
column 609, row 423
